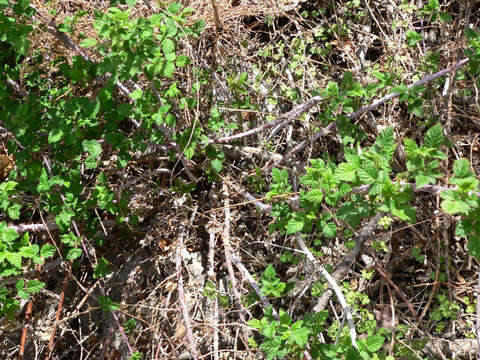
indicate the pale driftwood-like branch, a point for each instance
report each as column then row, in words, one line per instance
column 333, row 285
column 246, row 274
column 181, row 292
column 342, row 269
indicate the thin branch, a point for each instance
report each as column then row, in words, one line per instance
column 228, row 259
column 333, row 284
column 364, row 109
column 289, row 116
column 181, row 292
column 343, row 268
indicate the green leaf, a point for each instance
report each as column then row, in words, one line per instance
column 168, row 69
column 294, row 226
column 136, row 94
column 95, row 149
column 7, row 235
column 106, row 304
column 14, row 258
column 88, row 42
column 445, row 17
column 14, row 211
column 47, row 250
column 74, row 253
column 346, row 172
column 168, row 46
column 255, row 323
column 368, row 174
column 63, row 220
column 434, row 137
column 423, row 180
column 315, row 196
column 34, row 286
column 352, row 354
column 101, row 269
column 29, row 251
column 55, row 135
column 329, row 230
column 410, row 147
column 131, row 3
column 217, row 165
column 374, row 342
column 453, row 207
column 461, row 168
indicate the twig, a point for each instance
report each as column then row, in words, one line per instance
column 87, row 254
column 228, row 259
column 212, row 276
column 432, row 293
column 398, row 291
column 333, row 284
column 292, row 114
column 364, row 109
column 246, row 274
column 343, row 268
column 181, row 292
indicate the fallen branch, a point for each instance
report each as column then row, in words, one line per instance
column 343, row 268
column 333, row 285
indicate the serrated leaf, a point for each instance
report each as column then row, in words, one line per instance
column 168, row 69
column 14, row 258
column 461, row 168
column 131, row 3
column 168, row 46
column 29, row 251
column 346, row 172
column 34, row 286
column 55, row 135
column 423, row 180
column 279, row 175
column 136, row 94
column 183, row 60
column 88, row 42
column 329, row 230
column 353, row 354
column 473, row 246
column 74, row 253
column 434, row 137
column 385, row 139
column 174, row 7
column 404, row 212
column 453, row 207
column 315, row 196
column 368, row 174
column 216, row 165
column 374, row 342
column 63, row 220
column 7, row 235
column 410, row 147
column 47, row 250
column 14, row 211
column 294, row 226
